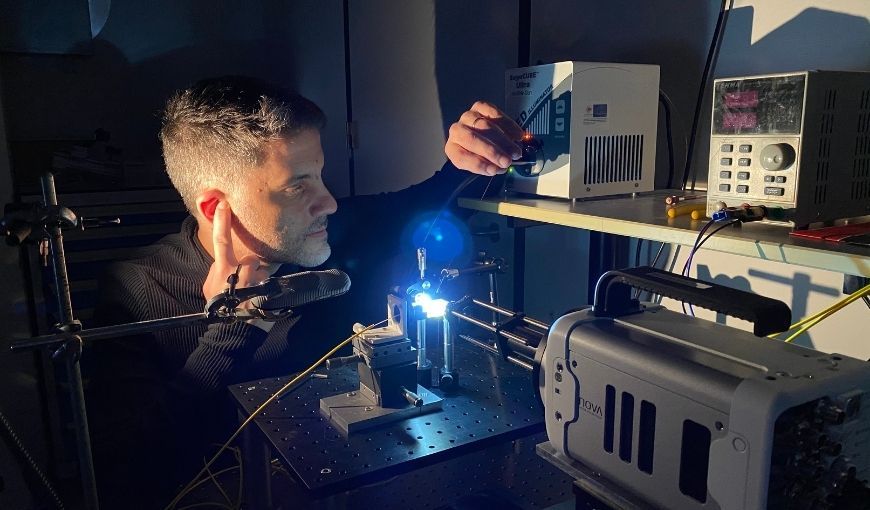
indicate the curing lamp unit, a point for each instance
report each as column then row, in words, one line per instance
column 799, row 141
column 590, row 128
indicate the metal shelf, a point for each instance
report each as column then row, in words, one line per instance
column 645, row 217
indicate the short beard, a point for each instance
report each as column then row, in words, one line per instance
column 277, row 253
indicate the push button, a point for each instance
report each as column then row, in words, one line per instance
column 725, row 161
column 780, row 179
column 727, row 147
column 724, row 187
column 746, row 148
column 776, row 192
column 743, row 175
column 743, row 188
column 744, row 161
column 768, row 178
column 725, row 174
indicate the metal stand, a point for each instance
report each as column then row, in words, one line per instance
column 424, row 365
column 70, row 350
column 449, row 377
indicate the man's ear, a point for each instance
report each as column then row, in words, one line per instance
column 207, row 201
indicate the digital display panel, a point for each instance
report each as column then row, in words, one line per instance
column 739, row 120
column 741, row 99
column 759, row 106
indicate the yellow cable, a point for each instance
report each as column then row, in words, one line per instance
column 827, row 311
column 218, row 473
column 218, row 485
column 172, row 504
column 817, row 318
column 836, row 308
column 241, row 480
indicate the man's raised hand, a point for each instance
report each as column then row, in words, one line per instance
column 483, row 141
column 225, row 263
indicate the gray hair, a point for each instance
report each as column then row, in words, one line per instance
column 220, row 126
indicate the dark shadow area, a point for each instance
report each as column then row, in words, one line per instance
column 801, row 286
column 475, row 43
column 45, row 27
column 49, row 111
column 735, row 282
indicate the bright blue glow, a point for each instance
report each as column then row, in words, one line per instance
column 447, row 241
column 433, row 308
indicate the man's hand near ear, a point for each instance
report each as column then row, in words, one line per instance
column 252, row 270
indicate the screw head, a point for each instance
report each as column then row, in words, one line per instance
column 368, row 408
column 325, row 471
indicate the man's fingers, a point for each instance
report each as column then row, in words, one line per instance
column 480, row 143
column 466, row 160
column 252, row 272
column 510, row 128
column 224, row 256
column 492, row 132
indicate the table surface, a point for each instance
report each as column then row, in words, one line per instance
column 495, row 403
column 645, row 217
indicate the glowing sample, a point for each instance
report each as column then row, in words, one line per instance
column 431, row 307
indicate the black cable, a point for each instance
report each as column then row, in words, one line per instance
column 710, row 64
column 637, row 262
column 23, row 457
column 688, row 264
column 637, row 252
column 653, row 264
column 663, row 99
column 685, row 271
column 866, row 300
column 717, row 229
column 348, row 101
column 658, row 254
column 462, row 185
column 688, row 267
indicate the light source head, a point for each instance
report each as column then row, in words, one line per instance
column 433, row 308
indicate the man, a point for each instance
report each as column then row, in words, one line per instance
column 246, row 158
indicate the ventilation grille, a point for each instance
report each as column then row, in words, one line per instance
column 861, row 162
column 623, row 429
column 826, row 128
column 617, row 158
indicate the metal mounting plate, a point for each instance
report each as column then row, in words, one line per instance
column 354, row 411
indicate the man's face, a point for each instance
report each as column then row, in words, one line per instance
column 282, row 205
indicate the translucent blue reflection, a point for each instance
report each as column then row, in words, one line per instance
column 446, row 238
